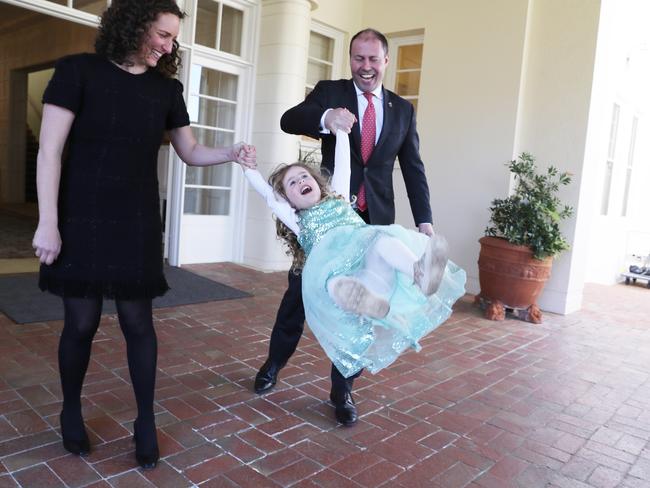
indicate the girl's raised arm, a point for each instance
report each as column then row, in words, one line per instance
column 341, row 176
column 278, row 205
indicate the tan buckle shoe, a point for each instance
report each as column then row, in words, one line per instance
column 353, row 296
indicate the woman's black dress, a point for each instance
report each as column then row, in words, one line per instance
column 109, row 215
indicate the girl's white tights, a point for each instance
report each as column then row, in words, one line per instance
column 386, row 256
column 368, row 290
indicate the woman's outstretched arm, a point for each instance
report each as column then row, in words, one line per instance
column 195, row 154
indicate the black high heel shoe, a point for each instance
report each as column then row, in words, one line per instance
column 147, row 459
column 80, row 447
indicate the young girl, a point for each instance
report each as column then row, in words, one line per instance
column 369, row 291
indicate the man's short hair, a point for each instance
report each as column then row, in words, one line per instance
column 371, row 33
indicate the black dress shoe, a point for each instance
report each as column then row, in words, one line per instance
column 81, row 446
column 147, row 460
column 344, row 408
column 267, row 377
column 148, row 455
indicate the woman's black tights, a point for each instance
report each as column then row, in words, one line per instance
column 81, row 320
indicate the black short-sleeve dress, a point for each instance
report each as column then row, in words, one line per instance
column 109, row 215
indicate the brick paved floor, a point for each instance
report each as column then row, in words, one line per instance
column 564, row 404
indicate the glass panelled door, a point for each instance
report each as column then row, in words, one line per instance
column 208, row 220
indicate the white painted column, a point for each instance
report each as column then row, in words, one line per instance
column 280, row 84
column 552, row 124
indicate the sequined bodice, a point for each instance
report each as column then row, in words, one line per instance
column 318, row 220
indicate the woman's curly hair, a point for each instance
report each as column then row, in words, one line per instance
column 287, row 235
column 123, row 28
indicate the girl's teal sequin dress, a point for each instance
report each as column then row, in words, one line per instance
column 335, row 240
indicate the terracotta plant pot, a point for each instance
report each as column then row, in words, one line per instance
column 511, row 278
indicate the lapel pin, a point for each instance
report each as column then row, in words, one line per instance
column 390, row 104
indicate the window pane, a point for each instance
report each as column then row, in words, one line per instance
column 613, row 130
column 630, row 153
column 217, row 114
column 626, row 191
column 408, row 83
column 212, row 138
column 409, row 57
column 607, row 188
column 317, row 71
column 200, row 201
column 207, row 19
column 630, row 164
column 231, row 30
column 218, row 84
column 320, row 46
column 91, row 6
column 219, row 175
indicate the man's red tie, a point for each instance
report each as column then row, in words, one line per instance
column 368, row 132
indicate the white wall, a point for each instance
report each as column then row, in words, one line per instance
column 553, row 119
column 623, row 77
column 467, row 109
column 507, row 76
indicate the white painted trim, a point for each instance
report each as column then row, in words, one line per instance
column 248, row 9
column 59, row 11
column 245, row 67
column 394, row 43
column 337, row 52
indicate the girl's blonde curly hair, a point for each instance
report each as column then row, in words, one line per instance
column 287, row 235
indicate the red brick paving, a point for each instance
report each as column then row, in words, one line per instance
column 483, row 405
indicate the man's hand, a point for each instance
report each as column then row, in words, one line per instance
column 339, row 119
column 426, row 229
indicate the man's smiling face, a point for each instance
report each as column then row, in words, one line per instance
column 367, row 63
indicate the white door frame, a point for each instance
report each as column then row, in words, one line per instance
column 229, row 230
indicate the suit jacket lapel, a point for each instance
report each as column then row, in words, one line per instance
column 352, row 105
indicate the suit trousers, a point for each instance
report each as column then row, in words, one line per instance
column 288, row 328
column 290, row 322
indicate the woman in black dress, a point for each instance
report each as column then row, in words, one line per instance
column 99, row 232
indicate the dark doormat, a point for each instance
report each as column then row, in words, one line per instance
column 23, row 302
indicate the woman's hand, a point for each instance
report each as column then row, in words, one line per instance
column 245, row 155
column 47, row 243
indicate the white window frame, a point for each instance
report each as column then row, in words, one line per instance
column 246, row 61
column 608, row 176
column 307, row 144
column 394, row 43
column 248, row 26
column 630, row 166
column 337, row 51
column 52, row 9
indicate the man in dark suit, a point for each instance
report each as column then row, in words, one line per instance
column 390, row 125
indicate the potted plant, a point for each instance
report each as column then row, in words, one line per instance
column 521, row 241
